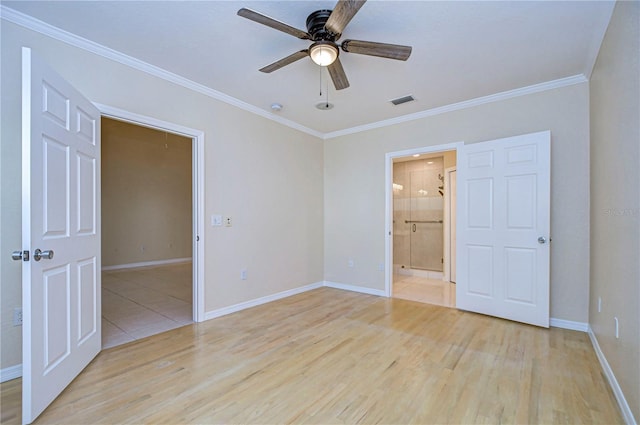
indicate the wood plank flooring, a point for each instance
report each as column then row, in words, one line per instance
column 332, row 356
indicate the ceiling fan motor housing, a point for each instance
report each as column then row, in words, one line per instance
column 315, row 25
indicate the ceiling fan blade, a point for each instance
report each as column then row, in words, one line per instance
column 275, row 24
column 338, row 76
column 342, row 14
column 285, row 61
column 371, row 48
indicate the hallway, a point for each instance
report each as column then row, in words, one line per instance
column 137, row 303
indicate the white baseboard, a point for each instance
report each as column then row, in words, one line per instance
column 568, row 324
column 147, row 264
column 615, row 387
column 259, row 301
column 427, row 274
column 354, row 288
column 11, row 372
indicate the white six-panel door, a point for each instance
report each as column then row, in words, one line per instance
column 60, row 214
column 503, row 220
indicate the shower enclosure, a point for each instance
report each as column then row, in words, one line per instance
column 418, row 206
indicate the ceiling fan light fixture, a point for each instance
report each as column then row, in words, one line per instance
column 324, row 53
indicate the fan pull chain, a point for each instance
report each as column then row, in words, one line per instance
column 320, row 74
column 327, row 93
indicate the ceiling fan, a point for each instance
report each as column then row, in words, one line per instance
column 324, row 28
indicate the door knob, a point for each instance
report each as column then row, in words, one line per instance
column 20, row 255
column 38, row 255
column 542, row 240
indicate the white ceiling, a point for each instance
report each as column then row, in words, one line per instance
column 461, row 50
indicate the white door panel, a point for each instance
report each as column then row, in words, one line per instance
column 60, row 204
column 503, row 208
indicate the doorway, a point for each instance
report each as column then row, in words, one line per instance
column 152, row 259
column 147, row 215
column 420, row 224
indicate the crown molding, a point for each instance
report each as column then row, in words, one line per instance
column 56, row 33
column 523, row 91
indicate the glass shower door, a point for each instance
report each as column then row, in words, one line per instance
column 426, row 243
column 425, row 222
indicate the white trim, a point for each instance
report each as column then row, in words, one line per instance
column 355, row 288
column 48, row 30
column 198, row 191
column 523, row 91
column 56, row 33
column 568, row 324
column 427, row 274
column 147, row 264
column 11, row 372
column 388, row 208
column 145, row 121
column 615, row 387
column 449, row 218
column 259, row 301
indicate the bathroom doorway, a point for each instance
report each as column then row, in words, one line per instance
column 422, row 227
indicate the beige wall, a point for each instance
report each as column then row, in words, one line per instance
column 355, row 194
column 268, row 177
column 615, row 199
column 146, row 194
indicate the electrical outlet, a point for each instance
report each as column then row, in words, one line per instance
column 216, row 220
column 243, row 274
column 228, row 221
column 17, row 316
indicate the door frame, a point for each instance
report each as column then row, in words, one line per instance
column 197, row 188
column 448, row 223
column 388, row 219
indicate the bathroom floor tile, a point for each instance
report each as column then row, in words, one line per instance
column 424, row 290
column 137, row 303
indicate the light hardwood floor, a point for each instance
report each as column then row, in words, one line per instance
column 332, row 356
column 137, row 303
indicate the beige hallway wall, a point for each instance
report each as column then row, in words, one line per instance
column 146, row 194
column 615, row 199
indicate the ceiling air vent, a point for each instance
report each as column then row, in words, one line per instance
column 403, row 99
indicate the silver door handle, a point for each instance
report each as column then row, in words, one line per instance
column 38, row 255
column 541, row 240
column 19, row 255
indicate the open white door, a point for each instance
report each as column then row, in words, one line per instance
column 503, row 228
column 60, row 217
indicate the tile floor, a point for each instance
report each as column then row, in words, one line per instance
column 137, row 303
column 424, row 290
